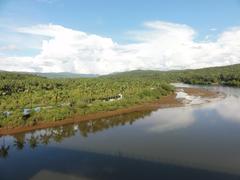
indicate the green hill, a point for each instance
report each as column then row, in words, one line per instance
column 225, row 75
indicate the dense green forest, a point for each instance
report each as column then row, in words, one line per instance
column 225, row 75
column 26, row 99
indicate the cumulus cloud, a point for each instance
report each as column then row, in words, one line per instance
column 159, row 46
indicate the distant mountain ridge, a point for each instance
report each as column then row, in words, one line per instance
column 209, row 71
column 65, row 75
column 139, row 72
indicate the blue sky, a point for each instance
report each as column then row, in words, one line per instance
column 110, row 18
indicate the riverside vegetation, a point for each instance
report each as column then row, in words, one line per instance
column 27, row 99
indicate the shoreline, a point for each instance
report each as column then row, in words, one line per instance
column 164, row 102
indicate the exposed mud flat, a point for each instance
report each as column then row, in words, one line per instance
column 194, row 96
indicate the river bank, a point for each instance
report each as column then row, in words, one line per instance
column 163, row 102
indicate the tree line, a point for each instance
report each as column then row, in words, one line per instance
column 57, row 99
column 44, row 99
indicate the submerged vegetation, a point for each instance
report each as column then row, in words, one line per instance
column 27, row 99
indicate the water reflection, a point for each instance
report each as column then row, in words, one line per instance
column 58, row 134
column 229, row 109
column 19, row 141
column 4, row 149
column 166, row 120
column 172, row 140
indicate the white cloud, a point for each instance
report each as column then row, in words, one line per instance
column 160, row 45
column 17, row 64
column 9, row 47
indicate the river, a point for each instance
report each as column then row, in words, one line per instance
column 192, row 142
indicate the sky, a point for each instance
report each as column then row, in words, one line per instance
column 101, row 37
